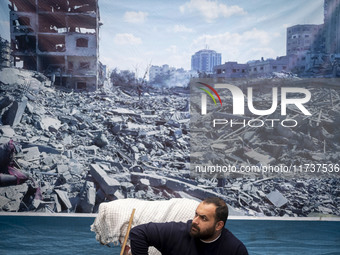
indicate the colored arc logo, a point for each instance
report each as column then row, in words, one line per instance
column 209, row 93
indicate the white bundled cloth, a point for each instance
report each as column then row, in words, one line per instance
column 112, row 221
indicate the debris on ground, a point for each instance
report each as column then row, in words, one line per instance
column 80, row 149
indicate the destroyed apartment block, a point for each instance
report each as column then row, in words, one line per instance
column 59, row 39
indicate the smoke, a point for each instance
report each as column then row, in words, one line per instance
column 180, row 78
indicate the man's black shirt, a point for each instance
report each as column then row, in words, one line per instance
column 173, row 238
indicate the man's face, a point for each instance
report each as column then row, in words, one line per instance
column 203, row 225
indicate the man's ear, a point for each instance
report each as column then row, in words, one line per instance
column 219, row 225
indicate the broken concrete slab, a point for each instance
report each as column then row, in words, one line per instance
column 49, row 123
column 87, row 198
column 5, row 101
column 277, row 199
column 91, row 149
column 118, row 195
column 64, row 199
column 259, row 157
column 15, row 195
column 7, row 131
column 58, row 207
column 65, row 172
column 12, row 206
column 4, row 201
column 30, row 154
column 107, row 184
column 14, row 114
column 100, row 140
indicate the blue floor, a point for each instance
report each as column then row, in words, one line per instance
column 72, row 235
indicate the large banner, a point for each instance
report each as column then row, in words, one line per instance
column 106, row 100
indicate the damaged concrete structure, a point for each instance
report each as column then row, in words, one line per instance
column 312, row 50
column 82, row 149
column 58, row 38
column 255, row 68
column 231, row 70
column 264, row 67
column 302, row 40
column 5, row 53
column 315, row 49
column 332, row 26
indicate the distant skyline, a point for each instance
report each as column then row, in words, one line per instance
column 137, row 33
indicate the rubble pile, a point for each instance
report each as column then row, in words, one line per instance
column 264, row 139
column 80, row 149
column 314, row 143
column 285, row 197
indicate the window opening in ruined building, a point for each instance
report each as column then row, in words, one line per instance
column 261, row 68
column 51, row 43
column 53, row 6
column 82, row 24
column 51, row 64
column 25, row 43
column 84, row 65
column 81, row 85
column 60, row 81
column 274, row 67
column 82, row 6
column 22, row 24
column 70, row 67
column 29, row 63
column 52, row 23
column 82, row 42
column 25, row 21
column 23, row 5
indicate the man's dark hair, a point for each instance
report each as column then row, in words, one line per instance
column 221, row 213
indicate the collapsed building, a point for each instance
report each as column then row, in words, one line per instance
column 311, row 51
column 58, row 38
column 5, row 53
column 315, row 49
column 256, row 68
column 231, row 70
column 260, row 67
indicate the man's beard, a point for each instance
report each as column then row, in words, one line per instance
column 196, row 232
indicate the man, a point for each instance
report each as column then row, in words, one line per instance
column 205, row 234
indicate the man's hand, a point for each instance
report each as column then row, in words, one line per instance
column 127, row 250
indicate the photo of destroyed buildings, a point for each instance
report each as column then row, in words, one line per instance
column 118, row 113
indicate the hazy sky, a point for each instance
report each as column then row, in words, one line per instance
column 136, row 33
